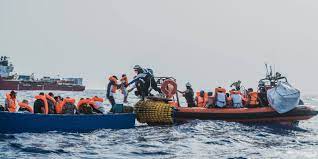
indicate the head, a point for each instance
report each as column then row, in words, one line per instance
column 13, row 94
column 210, row 94
column 202, row 93
column 124, row 75
column 51, row 94
column 25, row 101
column 82, row 99
column 41, row 93
column 188, row 85
column 250, row 90
column 228, row 94
column 137, row 69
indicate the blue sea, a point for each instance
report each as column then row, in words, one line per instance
column 196, row 139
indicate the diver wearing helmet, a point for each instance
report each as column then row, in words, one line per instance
column 144, row 80
column 188, row 94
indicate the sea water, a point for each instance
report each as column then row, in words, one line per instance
column 196, row 139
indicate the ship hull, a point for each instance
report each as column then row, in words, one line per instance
column 32, row 86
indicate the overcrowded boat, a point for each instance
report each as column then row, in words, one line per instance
column 275, row 101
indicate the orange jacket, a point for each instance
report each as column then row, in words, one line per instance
column 253, row 98
column 46, row 106
column 201, row 101
column 12, row 105
column 26, row 106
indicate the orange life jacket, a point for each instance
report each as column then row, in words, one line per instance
column 253, row 98
column 26, row 106
column 46, row 106
column 114, row 89
column 59, row 107
column 82, row 102
column 12, row 105
column 201, row 101
column 97, row 99
column 50, row 98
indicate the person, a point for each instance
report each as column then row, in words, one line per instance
column 84, row 107
column 201, row 99
column 188, row 94
column 111, row 89
column 58, row 106
column 97, row 104
column 237, row 85
column 2, row 108
column 229, row 102
column 25, row 107
column 51, row 102
column 40, row 104
column 237, row 99
column 210, row 102
column 123, row 87
column 68, row 106
column 220, row 97
column 252, row 98
column 144, row 80
column 10, row 102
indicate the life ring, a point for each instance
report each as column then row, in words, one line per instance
column 169, row 88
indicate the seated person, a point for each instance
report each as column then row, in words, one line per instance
column 97, row 105
column 68, row 106
column 2, row 108
column 25, row 107
column 220, row 97
column 210, row 102
column 40, row 104
column 229, row 100
column 252, row 98
column 201, row 99
column 83, row 106
column 237, row 99
column 51, row 103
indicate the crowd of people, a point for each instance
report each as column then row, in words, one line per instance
column 221, row 98
column 50, row 104
column 144, row 82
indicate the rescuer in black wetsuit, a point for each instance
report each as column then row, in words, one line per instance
column 144, row 80
column 188, row 94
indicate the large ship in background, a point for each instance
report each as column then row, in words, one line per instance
column 9, row 81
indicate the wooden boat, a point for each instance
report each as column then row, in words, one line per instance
column 25, row 122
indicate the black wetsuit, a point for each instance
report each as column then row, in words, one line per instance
column 38, row 106
column 189, row 96
column 144, row 81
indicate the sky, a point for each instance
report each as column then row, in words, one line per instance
column 209, row 43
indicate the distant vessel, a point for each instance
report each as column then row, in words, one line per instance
column 28, row 82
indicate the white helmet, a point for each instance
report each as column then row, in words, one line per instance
column 188, row 84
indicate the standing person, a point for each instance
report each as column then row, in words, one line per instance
column 188, row 94
column 123, row 87
column 10, row 102
column 144, row 80
column 111, row 89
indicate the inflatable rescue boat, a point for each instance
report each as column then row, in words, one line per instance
column 261, row 114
